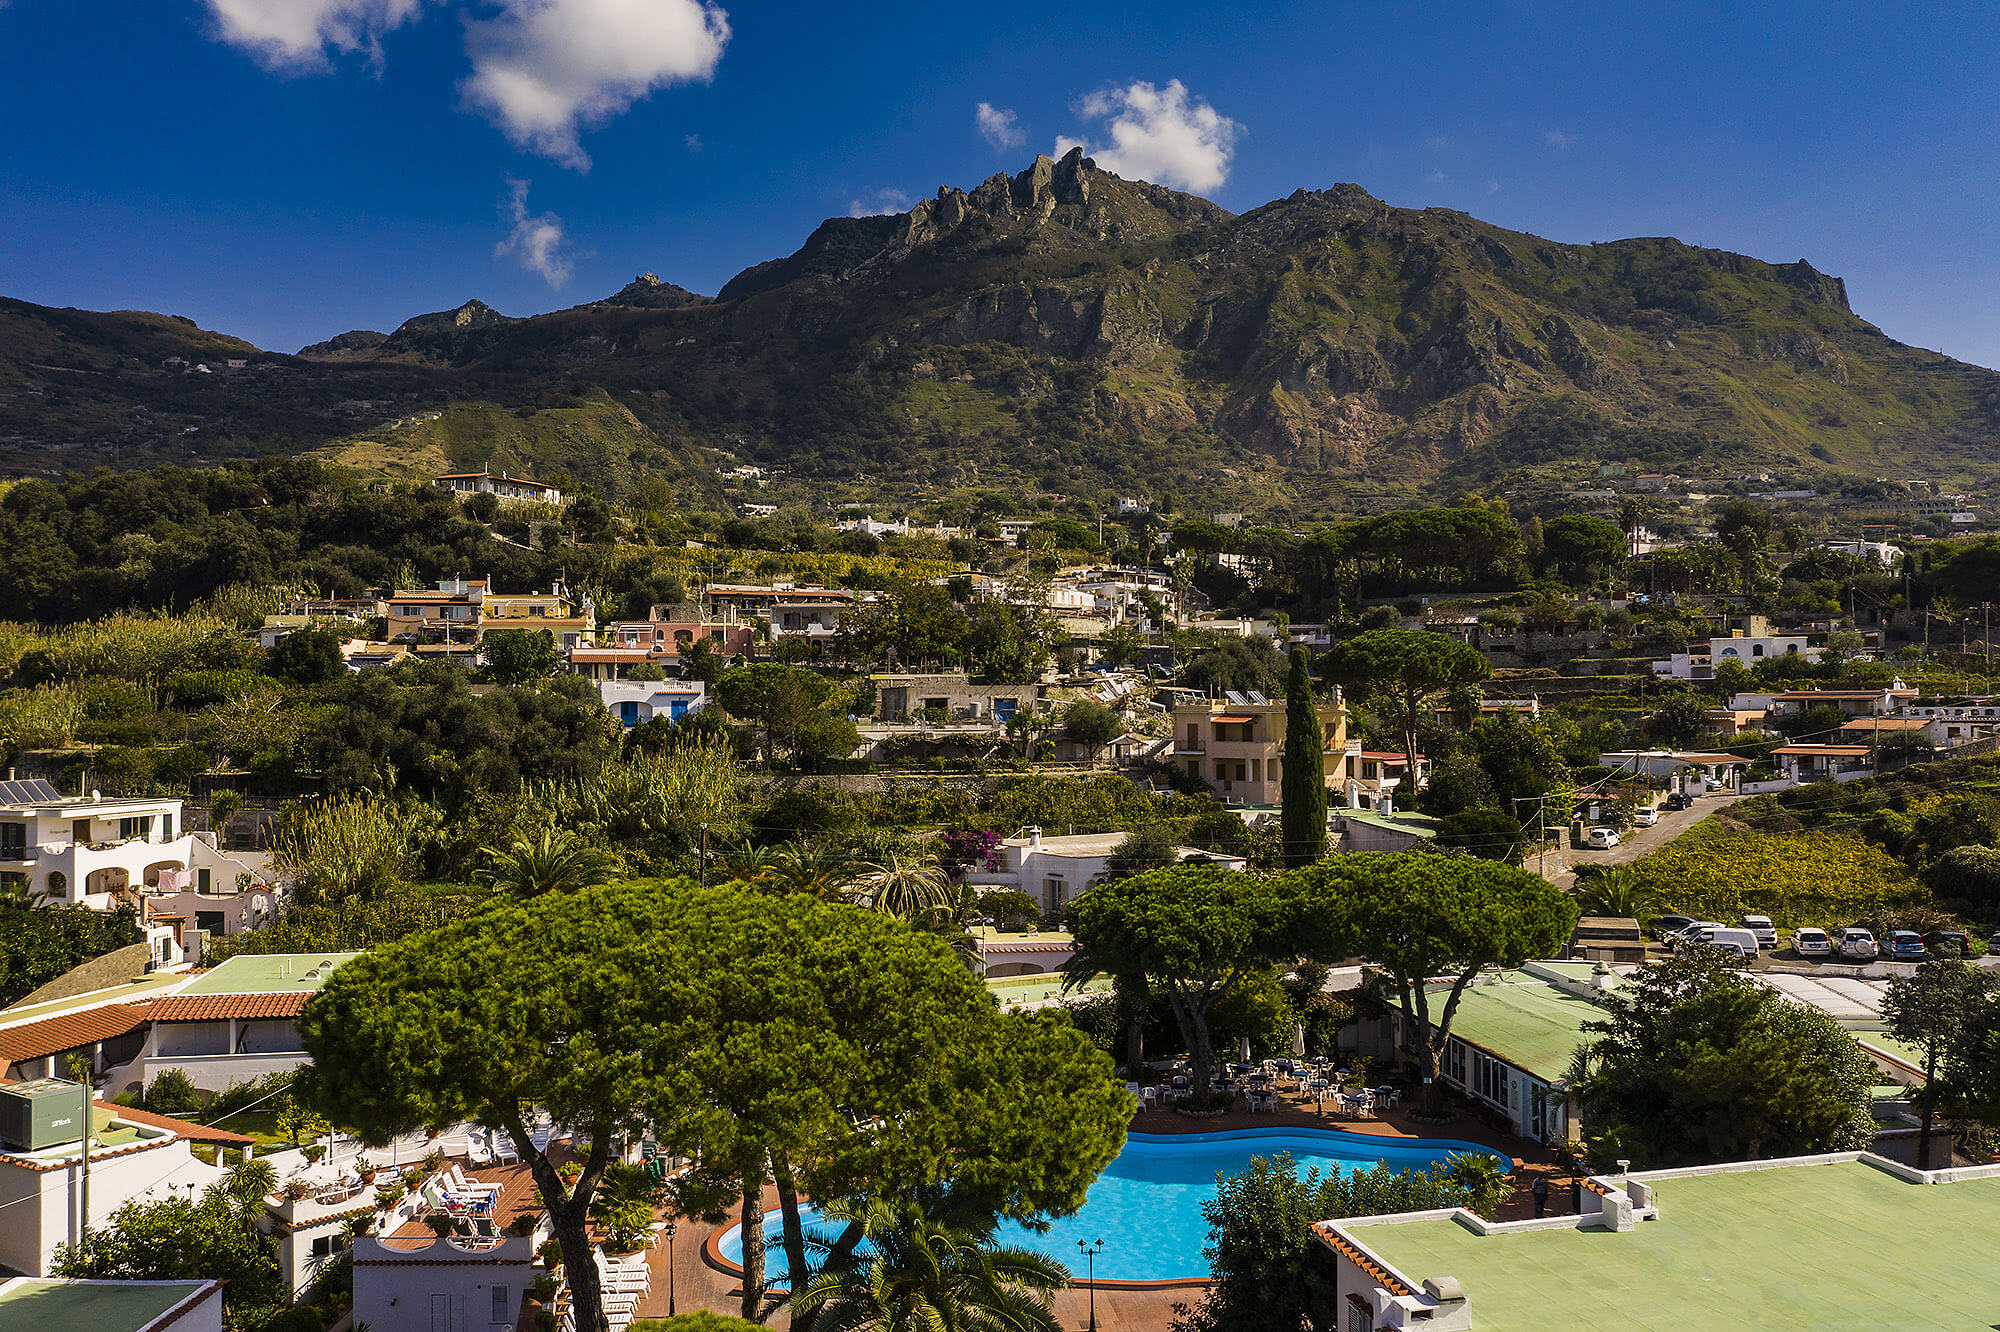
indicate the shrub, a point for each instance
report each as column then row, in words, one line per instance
column 172, row 1092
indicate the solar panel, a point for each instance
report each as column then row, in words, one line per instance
column 1235, row 697
column 1256, row 697
column 33, row 791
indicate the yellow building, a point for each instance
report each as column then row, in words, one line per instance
column 1238, row 747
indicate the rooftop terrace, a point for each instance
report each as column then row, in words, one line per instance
column 1524, row 1020
column 101, row 1306
column 1812, row 1246
column 270, row 973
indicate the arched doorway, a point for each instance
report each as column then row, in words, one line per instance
column 153, row 871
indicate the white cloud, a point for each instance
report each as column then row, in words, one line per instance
column 1437, row 177
column 879, row 203
column 544, row 69
column 1558, row 139
column 693, row 142
column 298, row 34
column 538, row 241
column 1160, row 134
column 999, row 127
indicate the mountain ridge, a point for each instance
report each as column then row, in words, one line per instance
column 1063, row 325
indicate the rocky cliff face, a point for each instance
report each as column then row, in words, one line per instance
column 1068, row 325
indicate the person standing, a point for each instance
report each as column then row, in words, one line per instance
column 1540, row 1190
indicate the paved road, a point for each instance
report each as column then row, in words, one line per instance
column 1640, row 841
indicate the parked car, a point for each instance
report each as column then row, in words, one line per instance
column 1744, row 939
column 1601, row 838
column 1761, row 926
column 1680, row 800
column 1904, row 946
column 1949, row 943
column 1663, row 926
column 1698, row 933
column 1733, row 951
column 1809, row 942
column 1645, row 816
column 1858, row 945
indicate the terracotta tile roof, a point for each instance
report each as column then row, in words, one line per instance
column 32, row 1040
column 219, row 1007
column 186, row 1128
column 1362, row 1259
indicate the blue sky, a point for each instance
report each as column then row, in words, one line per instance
column 287, row 169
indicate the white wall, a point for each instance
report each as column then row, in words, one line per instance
column 42, row 1205
column 390, row 1293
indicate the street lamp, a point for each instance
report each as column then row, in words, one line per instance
column 672, row 1226
column 1090, row 1252
column 704, row 855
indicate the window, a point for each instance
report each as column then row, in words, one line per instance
column 58, row 885
column 1054, row 893
column 1359, row 1318
column 13, row 841
column 1757, row 650
column 166, row 827
column 201, row 880
column 503, row 1310
column 139, row 826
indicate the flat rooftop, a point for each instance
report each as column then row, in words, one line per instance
column 1527, row 1021
column 269, row 973
column 101, row 1306
column 1808, row 1247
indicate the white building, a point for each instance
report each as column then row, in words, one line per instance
column 636, row 702
column 231, row 1024
column 101, row 851
column 459, row 1285
column 1740, row 648
column 131, row 1155
column 1054, row 870
column 506, row 487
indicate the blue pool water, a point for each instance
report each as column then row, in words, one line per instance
column 1146, row 1206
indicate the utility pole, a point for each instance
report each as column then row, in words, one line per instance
column 704, row 855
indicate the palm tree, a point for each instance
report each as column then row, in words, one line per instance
column 902, row 885
column 249, row 1183
column 925, row 1275
column 811, row 868
column 554, row 860
column 1615, row 892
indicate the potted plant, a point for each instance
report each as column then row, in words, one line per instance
column 413, row 1179
column 434, row 1161
column 365, row 1168
column 296, row 1188
column 388, row 1196
column 523, row 1225
column 441, row 1223
column 313, row 1151
column 550, row 1253
column 545, row 1288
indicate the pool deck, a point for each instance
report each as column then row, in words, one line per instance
column 701, row 1286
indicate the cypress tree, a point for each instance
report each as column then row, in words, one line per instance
column 1302, row 819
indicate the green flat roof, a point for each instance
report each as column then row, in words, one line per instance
column 1524, row 1020
column 1809, row 1247
column 101, row 1306
column 269, row 973
column 1416, row 825
column 137, row 989
column 1900, row 1050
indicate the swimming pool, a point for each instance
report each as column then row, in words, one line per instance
column 1146, row 1206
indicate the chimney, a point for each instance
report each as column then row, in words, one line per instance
column 1034, row 839
column 1388, row 803
column 1353, row 794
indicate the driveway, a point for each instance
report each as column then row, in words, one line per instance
column 1640, row 841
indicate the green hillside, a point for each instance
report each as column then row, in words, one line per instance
column 1064, row 328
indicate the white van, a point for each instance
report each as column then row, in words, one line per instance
column 1744, row 939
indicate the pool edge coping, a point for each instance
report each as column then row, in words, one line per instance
column 712, row 1256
